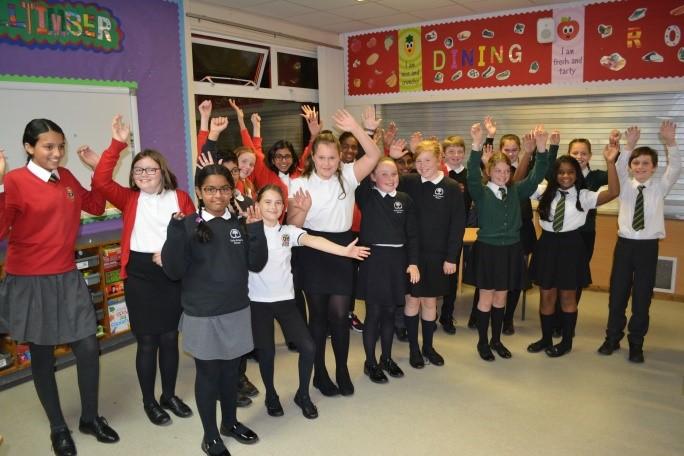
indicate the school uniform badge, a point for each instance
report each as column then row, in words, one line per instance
column 285, row 240
column 70, row 194
column 398, row 207
column 439, row 193
column 235, row 236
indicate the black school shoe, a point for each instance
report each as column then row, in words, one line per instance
column 558, row 350
column 402, row 334
column 243, row 401
column 374, row 372
column 240, row 432
column 156, row 414
column 100, row 429
column 432, row 357
column 273, row 406
column 62, row 443
column 636, row 353
column 508, row 328
column 608, row 347
column 309, row 410
column 389, row 366
column 215, row 448
column 416, row 359
column 500, row 349
column 485, row 352
column 326, row 386
column 246, row 387
column 448, row 327
column 176, row 406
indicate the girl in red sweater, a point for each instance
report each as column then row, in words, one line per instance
column 152, row 299
column 43, row 299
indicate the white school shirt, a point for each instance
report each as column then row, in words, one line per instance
column 495, row 189
column 274, row 282
column 152, row 217
column 40, row 172
column 285, row 178
column 654, row 197
column 330, row 211
column 572, row 218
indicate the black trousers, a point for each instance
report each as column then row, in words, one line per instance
column 634, row 272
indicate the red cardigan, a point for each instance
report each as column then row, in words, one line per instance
column 125, row 199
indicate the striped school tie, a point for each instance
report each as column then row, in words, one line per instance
column 559, row 215
column 502, row 190
column 53, row 178
column 638, row 220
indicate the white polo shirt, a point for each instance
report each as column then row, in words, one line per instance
column 331, row 210
column 274, row 282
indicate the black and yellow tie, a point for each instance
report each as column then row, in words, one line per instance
column 502, row 190
column 638, row 220
column 559, row 214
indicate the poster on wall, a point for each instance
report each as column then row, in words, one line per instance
column 570, row 44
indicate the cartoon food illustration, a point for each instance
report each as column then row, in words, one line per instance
column 637, row 14
column 464, row 35
column 519, row 28
column 357, row 83
column 372, row 59
column 503, row 75
column 389, row 41
column 449, row 42
column 370, row 83
column 391, row 81
column 534, row 67
column 673, row 35
column 614, row 61
column 371, row 43
column 408, row 44
column 439, row 77
column 652, row 56
column 567, row 29
column 489, row 72
column 355, row 45
column 605, row 30
column 356, row 63
column 677, row 11
column 486, row 33
column 456, row 76
column 431, row 36
column 680, row 54
column 473, row 73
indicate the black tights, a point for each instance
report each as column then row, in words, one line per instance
column 87, row 352
column 216, row 380
column 166, row 345
column 379, row 321
column 329, row 311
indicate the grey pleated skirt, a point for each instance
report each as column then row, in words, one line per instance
column 46, row 309
column 226, row 336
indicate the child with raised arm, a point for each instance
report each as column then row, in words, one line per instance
column 497, row 264
column 641, row 224
column 152, row 299
column 212, row 251
column 560, row 262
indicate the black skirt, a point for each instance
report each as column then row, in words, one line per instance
column 560, row 261
column 323, row 273
column 382, row 277
column 153, row 301
column 496, row 267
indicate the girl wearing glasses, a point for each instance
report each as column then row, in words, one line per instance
column 152, row 299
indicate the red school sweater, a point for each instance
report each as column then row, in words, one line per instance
column 43, row 219
column 125, row 199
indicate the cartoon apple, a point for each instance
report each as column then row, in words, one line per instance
column 408, row 44
column 568, row 28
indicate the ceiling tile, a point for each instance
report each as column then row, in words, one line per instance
column 279, row 8
column 480, row 7
column 394, row 20
column 351, row 26
column 444, row 12
column 362, row 11
column 407, row 6
column 236, row 4
column 324, row 5
column 317, row 19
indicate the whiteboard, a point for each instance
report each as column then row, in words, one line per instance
column 84, row 112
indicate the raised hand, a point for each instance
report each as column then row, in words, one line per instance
column 256, row 120
column 610, row 153
column 415, row 138
column 528, row 143
column 541, row 136
column 253, row 214
column 218, row 124
column 614, row 138
column 667, row 132
column 490, row 126
column 397, row 148
column 414, row 274
column 390, row 134
column 311, row 116
column 302, row 200
column 88, row 156
column 477, row 135
column 554, row 138
column 356, row 252
column 204, row 109
column 236, row 108
column 206, row 160
column 487, row 152
column 345, row 121
column 632, row 135
column 120, row 131
column 369, row 120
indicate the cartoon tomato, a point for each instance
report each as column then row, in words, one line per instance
column 355, row 45
column 568, row 28
column 408, row 44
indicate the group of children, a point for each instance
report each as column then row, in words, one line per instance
column 223, row 272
